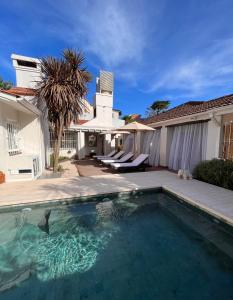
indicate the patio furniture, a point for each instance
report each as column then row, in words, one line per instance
column 136, row 165
column 103, row 156
column 123, row 159
column 116, row 156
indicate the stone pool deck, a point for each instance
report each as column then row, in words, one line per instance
column 215, row 200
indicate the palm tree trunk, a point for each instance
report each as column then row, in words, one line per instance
column 57, row 143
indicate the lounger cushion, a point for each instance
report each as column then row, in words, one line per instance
column 124, row 158
column 116, row 156
column 108, row 155
column 139, row 160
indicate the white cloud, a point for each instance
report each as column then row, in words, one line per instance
column 114, row 31
column 212, row 69
column 111, row 33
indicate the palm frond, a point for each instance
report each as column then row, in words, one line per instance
column 63, row 86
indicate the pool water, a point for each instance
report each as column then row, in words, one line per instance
column 142, row 246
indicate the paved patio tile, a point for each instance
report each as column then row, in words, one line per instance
column 215, row 200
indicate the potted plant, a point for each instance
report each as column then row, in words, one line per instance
column 2, row 177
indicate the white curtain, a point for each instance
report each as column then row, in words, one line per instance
column 128, row 143
column 188, row 146
column 150, row 144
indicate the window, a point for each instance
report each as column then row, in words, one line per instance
column 227, row 149
column 13, row 139
column 69, row 140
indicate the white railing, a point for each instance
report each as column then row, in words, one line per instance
column 69, row 140
column 13, row 138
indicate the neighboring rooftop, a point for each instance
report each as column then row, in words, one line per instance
column 19, row 91
column 190, row 108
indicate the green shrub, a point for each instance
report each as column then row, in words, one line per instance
column 216, row 171
column 60, row 168
column 60, row 159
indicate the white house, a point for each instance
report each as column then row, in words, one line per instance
column 25, row 141
column 90, row 133
column 190, row 133
column 21, row 136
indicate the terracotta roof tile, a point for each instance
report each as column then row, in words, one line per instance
column 190, row 108
column 81, row 122
column 20, row 91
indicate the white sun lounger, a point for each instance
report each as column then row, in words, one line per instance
column 103, row 156
column 136, row 164
column 123, row 159
column 116, row 156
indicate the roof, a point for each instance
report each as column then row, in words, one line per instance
column 18, row 103
column 25, row 58
column 80, row 122
column 19, row 91
column 190, row 108
column 135, row 116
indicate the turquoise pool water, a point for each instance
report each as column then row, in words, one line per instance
column 141, row 246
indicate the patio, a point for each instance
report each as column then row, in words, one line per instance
column 215, row 200
column 90, row 167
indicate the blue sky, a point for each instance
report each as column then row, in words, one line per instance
column 159, row 49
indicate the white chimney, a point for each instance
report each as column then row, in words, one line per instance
column 28, row 71
column 103, row 99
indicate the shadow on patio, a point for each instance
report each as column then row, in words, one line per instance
column 90, row 167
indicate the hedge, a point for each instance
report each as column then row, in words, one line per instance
column 216, row 171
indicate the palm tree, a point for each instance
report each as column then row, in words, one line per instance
column 157, row 107
column 60, row 93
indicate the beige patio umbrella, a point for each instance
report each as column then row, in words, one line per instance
column 114, row 132
column 135, row 127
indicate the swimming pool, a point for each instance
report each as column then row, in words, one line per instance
column 142, row 245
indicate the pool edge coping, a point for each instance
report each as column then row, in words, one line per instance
column 211, row 212
column 74, row 199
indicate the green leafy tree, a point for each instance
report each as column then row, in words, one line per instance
column 5, row 85
column 128, row 119
column 157, row 107
column 61, row 92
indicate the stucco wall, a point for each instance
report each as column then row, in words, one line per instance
column 103, row 104
column 215, row 118
column 30, row 140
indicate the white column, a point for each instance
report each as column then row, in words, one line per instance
column 113, row 142
column 107, row 143
column 81, row 145
column 163, row 147
column 213, row 138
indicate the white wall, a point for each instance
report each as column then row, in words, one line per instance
column 213, row 138
column 103, row 104
column 26, row 76
column 213, row 134
column 163, row 146
column 30, row 140
column 2, row 141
